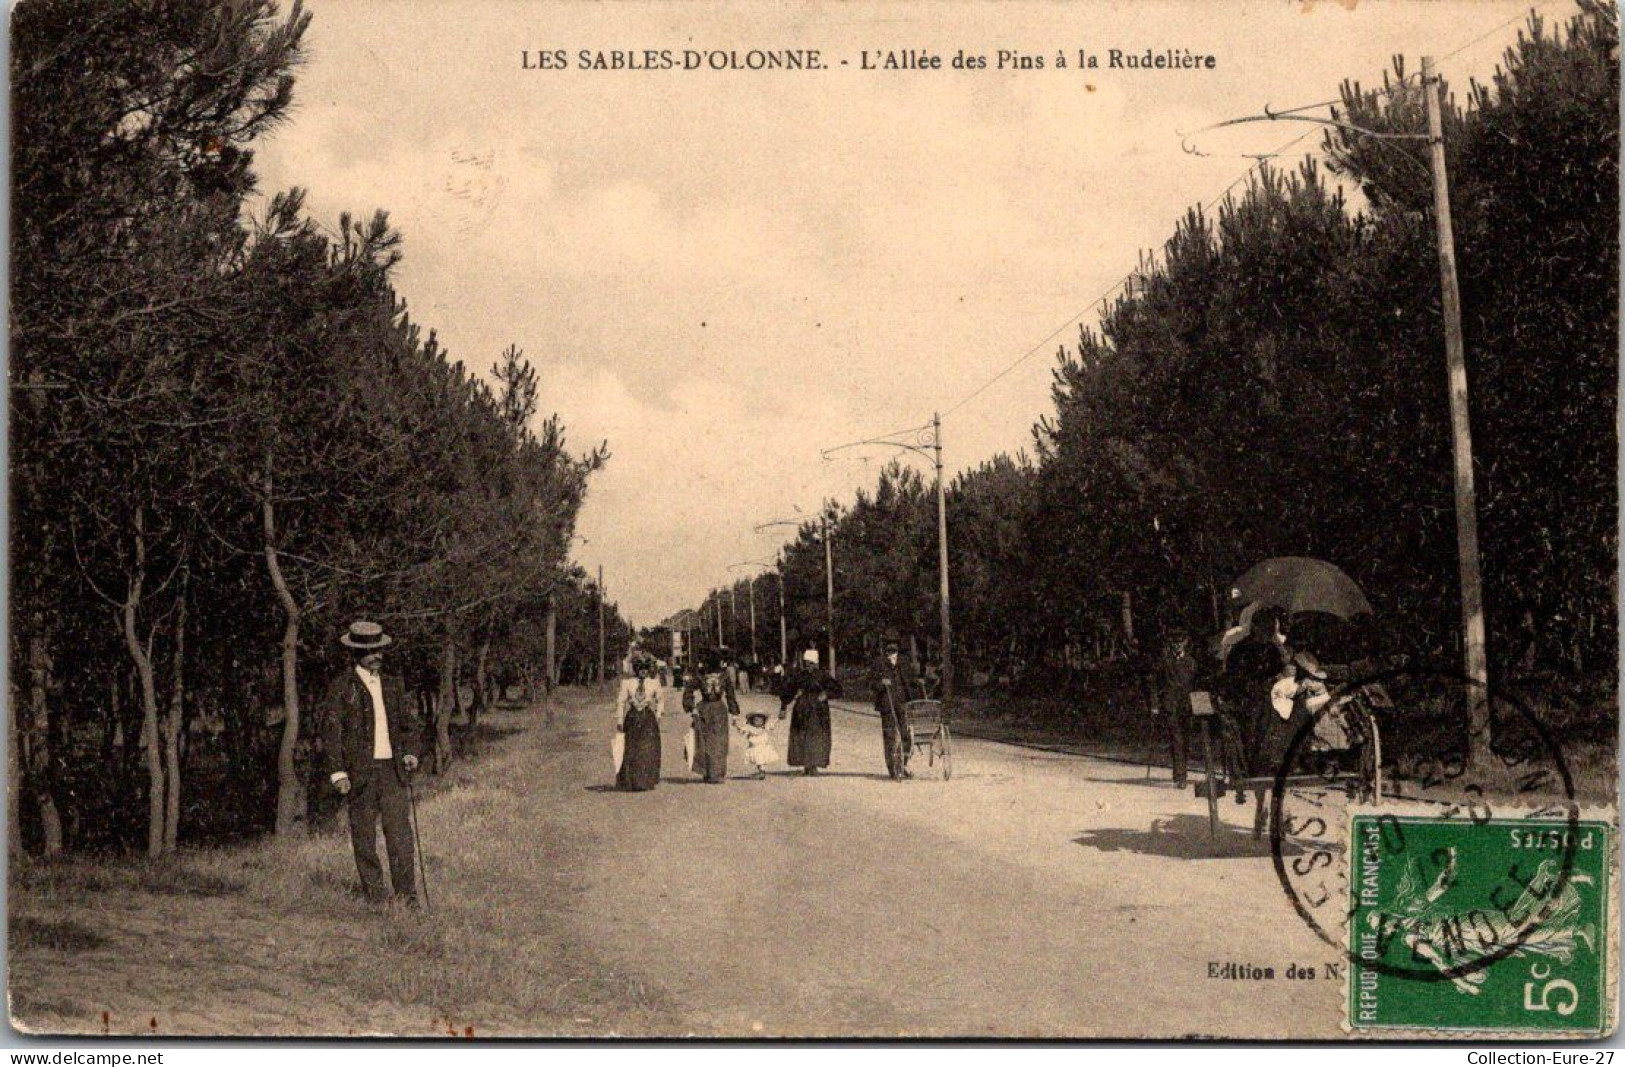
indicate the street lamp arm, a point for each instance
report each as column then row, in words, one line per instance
column 923, row 440
column 1287, row 116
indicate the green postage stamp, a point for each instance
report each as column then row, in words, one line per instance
column 1496, row 925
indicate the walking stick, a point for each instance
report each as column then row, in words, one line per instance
column 899, row 761
column 417, row 841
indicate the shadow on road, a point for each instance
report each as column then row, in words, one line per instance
column 1183, row 837
column 1144, row 783
column 831, row 774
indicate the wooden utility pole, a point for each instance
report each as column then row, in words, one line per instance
column 829, row 593
column 1472, row 591
column 750, row 593
column 942, row 564
column 601, row 675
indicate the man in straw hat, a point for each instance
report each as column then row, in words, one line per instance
column 372, row 744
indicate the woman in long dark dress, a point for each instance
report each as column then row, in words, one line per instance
column 637, row 711
column 709, row 698
column 806, row 699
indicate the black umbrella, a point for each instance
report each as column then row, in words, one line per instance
column 1298, row 583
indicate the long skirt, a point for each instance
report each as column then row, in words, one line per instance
column 711, row 740
column 809, row 733
column 640, row 766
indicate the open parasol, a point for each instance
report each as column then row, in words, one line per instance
column 1297, row 583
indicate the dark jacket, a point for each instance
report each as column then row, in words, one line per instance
column 905, row 685
column 347, row 725
column 711, row 686
column 809, row 682
column 1176, row 677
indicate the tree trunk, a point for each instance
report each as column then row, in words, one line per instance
column 37, row 745
column 172, row 729
column 552, row 634
column 447, row 702
column 142, row 657
column 290, row 788
column 482, row 684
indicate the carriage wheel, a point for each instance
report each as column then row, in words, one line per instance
column 947, row 754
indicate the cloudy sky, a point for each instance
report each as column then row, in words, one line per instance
column 722, row 272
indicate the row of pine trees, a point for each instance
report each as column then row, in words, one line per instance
column 230, row 437
column 1273, row 383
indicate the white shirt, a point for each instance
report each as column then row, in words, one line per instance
column 639, row 692
column 380, row 720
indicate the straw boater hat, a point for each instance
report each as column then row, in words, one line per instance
column 365, row 636
column 810, row 656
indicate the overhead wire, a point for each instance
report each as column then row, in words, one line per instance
column 1258, row 161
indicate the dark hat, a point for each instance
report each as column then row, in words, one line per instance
column 757, row 718
column 365, row 636
column 891, row 640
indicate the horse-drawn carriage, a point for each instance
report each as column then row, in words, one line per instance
column 1312, row 725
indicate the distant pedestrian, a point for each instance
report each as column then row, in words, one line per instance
column 1176, row 677
column 890, row 681
column 371, row 744
column 805, row 698
column 709, row 698
column 638, row 711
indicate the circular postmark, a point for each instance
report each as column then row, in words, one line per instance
column 1462, row 856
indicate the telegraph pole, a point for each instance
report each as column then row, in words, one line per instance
column 926, row 441
column 829, row 589
column 750, row 591
column 1472, row 590
column 1476, row 660
column 942, row 564
column 829, row 594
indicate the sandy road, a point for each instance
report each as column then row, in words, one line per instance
column 1033, row 894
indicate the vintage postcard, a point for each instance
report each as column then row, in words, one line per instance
column 545, row 518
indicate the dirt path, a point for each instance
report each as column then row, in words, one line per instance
column 1034, row 894
column 1031, row 895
